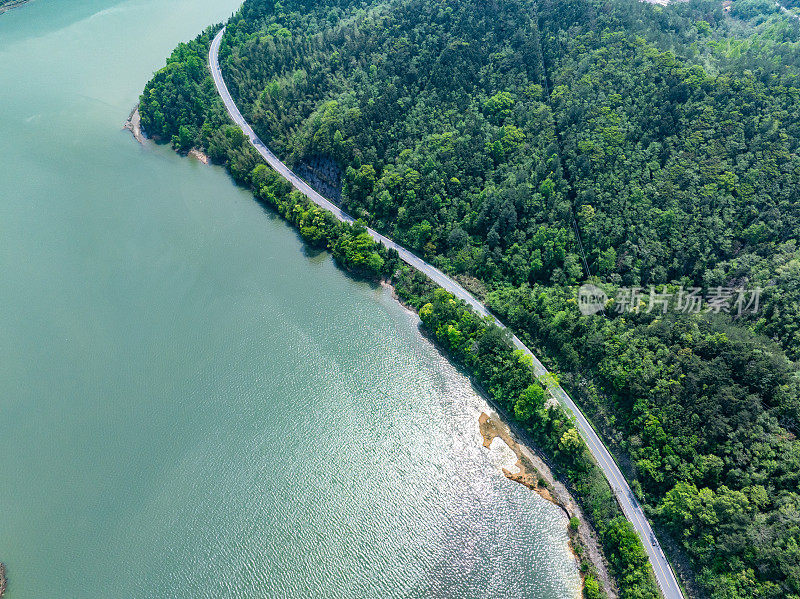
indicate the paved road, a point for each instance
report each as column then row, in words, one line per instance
column 625, row 497
column 787, row 11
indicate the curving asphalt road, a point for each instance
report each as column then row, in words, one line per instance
column 787, row 11
column 628, row 502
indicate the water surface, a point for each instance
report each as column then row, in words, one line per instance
column 191, row 404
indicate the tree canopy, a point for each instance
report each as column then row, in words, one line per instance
column 527, row 147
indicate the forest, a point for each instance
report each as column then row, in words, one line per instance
column 526, row 148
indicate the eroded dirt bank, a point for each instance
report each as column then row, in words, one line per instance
column 134, row 125
column 534, row 473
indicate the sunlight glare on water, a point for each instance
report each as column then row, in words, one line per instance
column 193, row 405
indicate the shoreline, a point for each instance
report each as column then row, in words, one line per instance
column 3, row 579
column 536, row 475
column 598, row 457
column 599, row 460
column 134, row 125
column 4, row 8
column 199, row 155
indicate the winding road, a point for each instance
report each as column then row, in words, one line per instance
column 787, row 12
column 627, row 501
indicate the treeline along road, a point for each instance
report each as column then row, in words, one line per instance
column 627, row 501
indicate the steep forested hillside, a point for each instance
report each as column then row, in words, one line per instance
column 526, row 147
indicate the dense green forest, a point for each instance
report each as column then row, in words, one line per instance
column 526, row 147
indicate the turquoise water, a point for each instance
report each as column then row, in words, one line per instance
column 191, row 403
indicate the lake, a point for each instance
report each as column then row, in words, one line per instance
column 195, row 405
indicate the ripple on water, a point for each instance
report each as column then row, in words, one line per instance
column 378, row 486
column 193, row 407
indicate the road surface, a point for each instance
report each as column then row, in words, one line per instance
column 628, row 502
column 787, row 11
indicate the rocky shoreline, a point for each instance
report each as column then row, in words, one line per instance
column 535, row 474
column 198, row 155
column 3, row 579
column 12, row 4
column 134, row 125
